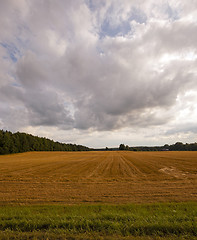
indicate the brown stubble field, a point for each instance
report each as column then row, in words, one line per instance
column 98, row 177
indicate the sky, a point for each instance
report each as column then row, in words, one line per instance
column 100, row 73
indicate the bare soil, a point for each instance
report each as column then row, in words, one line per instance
column 98, row 177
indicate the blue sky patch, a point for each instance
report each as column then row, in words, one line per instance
column 172, row 13
column 12, row 51
column 108, row 29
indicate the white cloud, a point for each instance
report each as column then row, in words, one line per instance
column 90, row 67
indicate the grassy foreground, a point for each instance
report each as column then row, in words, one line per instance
column 131, row 221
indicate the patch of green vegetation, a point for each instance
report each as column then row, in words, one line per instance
column 133, row 221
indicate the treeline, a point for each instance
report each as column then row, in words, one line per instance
column 23, row 142
column 179, row 146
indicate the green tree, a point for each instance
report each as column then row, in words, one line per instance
column 122, row 147
column 127, row 147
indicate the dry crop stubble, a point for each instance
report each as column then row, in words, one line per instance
column 107, row 177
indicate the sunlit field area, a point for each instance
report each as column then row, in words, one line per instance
column 98, row 177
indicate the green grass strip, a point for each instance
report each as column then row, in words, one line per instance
column 138, row 220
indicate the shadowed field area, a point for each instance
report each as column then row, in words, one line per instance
column 93, row 177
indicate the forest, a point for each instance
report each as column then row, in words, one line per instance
column 23, row 142
column 178, row 146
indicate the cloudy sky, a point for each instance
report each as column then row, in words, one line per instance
column 99, row 73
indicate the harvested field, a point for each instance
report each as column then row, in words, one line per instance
column 98, row 177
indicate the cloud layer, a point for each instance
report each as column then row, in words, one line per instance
column 97, row 65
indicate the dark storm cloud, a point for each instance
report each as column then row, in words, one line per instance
column 69, row 76
column 45, row 110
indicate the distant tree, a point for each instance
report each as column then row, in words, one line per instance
column 127, row 147
column 166, row 146
column 7, row 142
column 134, row 149
column 178, row 146
column 122, row 147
